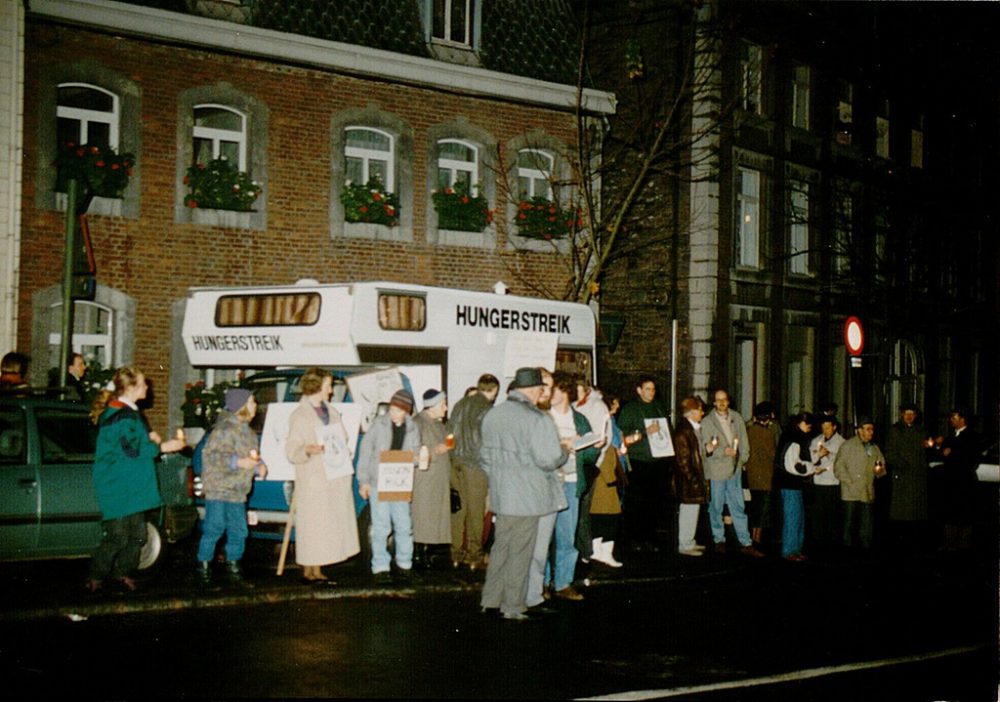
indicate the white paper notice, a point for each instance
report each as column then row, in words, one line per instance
column 660, row 443
column 529, row 349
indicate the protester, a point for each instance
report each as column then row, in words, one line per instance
column 431, row 505
column 689, row 482
column 393, row 431
column 606, row 494
column 13, row 372
column 520, row 451
column 906, row 447
column 75, row 371
column 124, row 478
column 763, row 441
column 326, row 529
column 960, row 453
column 825, row 520
column 231, row 460
column 858, row 463
column 590, row 403
column 469, row 478
column 792, row 474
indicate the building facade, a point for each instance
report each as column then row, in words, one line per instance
column 308, row 99
column 829, row 152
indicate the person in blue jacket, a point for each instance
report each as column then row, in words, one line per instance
column 124, row 478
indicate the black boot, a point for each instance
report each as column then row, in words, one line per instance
column 234, row 575
column 421, row 558
column 203, row 575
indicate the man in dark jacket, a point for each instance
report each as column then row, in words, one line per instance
column 468, row 478
column 690, row 486
column 905, row 455
column 960, row 452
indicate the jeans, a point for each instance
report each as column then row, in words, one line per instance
column 539, row 557
column 229, row 518
column 792, row 524
column 728, row 493
column 565, row 542
column 394, row 518
column 118, row 553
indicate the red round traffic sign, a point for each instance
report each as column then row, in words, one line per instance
column 854, row 336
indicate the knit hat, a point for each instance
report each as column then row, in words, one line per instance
column 236, row 398
column 403, row 400
column 433, row 397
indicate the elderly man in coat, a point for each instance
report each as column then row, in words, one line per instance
column 520, row 453
column 858, row 463
column 690, row 486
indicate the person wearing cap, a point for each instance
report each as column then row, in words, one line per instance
column 689, row 482
column 231, row 460
column 393, row 431
column 520, row 453
column 858, row 463
column 432, row 487
column 326, row 525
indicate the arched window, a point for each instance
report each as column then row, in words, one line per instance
column 534, row 173
column 93, row 332
column 87, row 114
column 220, row 131
column 368, row 153
column 458, row 163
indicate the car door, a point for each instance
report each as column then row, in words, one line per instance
column 70, row 522
column 19, row 487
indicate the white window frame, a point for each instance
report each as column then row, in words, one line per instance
column 85, row 117
column 751, row 77
column 81, row 341
column 748, row 211
column 217, row 136
column 798, row 227
column 446, row 38
column 801, row 88
column 455, row 166
column 535, row 174
column 368, row 155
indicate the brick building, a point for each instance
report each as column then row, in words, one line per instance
column 303, row 96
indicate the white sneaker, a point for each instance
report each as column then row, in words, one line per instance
column 693, row 552
column 604, row 554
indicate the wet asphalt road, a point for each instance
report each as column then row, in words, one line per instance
column 663, row 627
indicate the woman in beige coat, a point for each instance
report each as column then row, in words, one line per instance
column 326, row 528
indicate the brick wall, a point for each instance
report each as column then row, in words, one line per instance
column 155, row 260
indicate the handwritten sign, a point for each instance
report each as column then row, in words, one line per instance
column 369, row 389
column 529, row 349
column 660, row 443
column 395, row 476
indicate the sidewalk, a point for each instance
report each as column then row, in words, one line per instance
column 47, row 589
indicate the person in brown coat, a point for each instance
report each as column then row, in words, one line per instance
column 690, row 486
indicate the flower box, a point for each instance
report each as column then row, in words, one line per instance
column 459, row 210
column 369, row 203
column 219, row 185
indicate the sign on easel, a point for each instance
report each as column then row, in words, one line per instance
column 395, row 476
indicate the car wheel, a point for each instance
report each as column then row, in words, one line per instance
column 152, row 549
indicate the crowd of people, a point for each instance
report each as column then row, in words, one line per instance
column 540, row 489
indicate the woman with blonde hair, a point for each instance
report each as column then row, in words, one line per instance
column 326, row 527
column 124, row 478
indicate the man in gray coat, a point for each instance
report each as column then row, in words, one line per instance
column 727, row 450
column 520, row 453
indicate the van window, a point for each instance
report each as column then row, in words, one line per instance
column 575, row 362
column 274, row 310
column 400, row 312
column 66, row 436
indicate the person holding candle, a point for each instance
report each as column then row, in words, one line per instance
column 431, row 508
column 858, row 463
column 231, row 461
column 824, row 520
column 727, row 451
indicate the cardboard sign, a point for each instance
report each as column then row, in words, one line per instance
column 395, row 476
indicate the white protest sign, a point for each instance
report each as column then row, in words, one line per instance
column 371, row 388
column 660, row 443
column 529, row 349
column 395, row 476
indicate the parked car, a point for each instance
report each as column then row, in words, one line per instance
column 48, row 507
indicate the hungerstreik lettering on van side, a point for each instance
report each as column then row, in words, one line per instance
column 238, row 342
column 493, row 318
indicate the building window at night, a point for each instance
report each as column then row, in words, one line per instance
column 368, row 155
column 798, row 240
column 843, row 233
column 748, row 214
column 751, row 72
column 452, row 21
column 799, row 351
column 882, row 130
column 845, row 113
column 917, row 143
column 801, row 85
column 87, row 114
column 458, row 164
column 534, row 174
column 219, row 132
